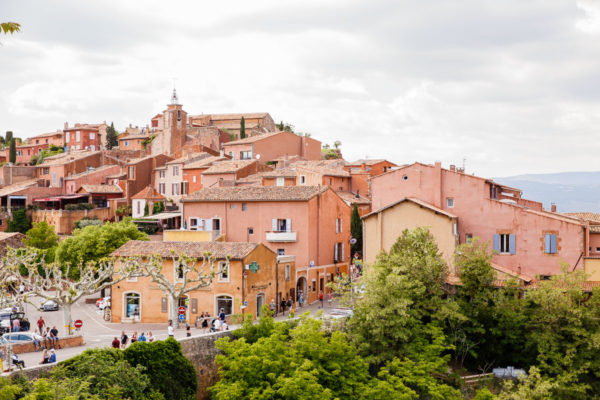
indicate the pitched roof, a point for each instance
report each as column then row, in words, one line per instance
column 91, row 171
column 148, row 193
column 8, row 235
column 351, row 198
column 219, row 117
column 133, row 136
column 16, row 187
column 220, row 250
column 253, row 139
column 368, row 162
column 256, row 193
column 204, row 162
column 225, row 167
column 65, row 158
column 107, row 189
column 587, row 216
column 415, row 201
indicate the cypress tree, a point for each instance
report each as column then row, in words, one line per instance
column 111, row 137
column 242, row 128
column 356, row 230
column 9, row 136
column 12, row 153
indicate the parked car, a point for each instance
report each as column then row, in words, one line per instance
column 49, row 305
column 104, row 303
column 7, row 317
column 21, row 337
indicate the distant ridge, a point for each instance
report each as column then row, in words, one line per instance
column 571, row 191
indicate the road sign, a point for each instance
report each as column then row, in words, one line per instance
column 187, row 302
column 182, row 317
column 182, row 310
column 246, row 303
column 78, row 324
column 254, row 267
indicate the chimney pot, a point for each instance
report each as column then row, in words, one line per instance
column 452, row 167
column 66, row 125
column 553, row 207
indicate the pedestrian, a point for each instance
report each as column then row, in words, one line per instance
column 301, row 299
column 222, row 315
column 150, row 337
column 116, row 343
column 16, row 325
column 134, row 337
column 188, row 330
column 142, row 338
column 52, row 356
column 37, row 341
column 272, row 307
column 321, row 299
column 24, row 324
column 54, row 336
column 216, row 325
column 205, row 322
column 170, row 329
column 41, row 323
column 45, row 357
column 329, row 299
column 16, row 361
column 289, row 303
column 124, row 339
column 224, row 326
column 282, row 306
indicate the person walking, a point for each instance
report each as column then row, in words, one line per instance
column 321, row 299
column 170, row 329
column 329, row 299
column 301, row 299
column 272, row 307
column 116, row 343
column 188, row 330
column 41, row 323
column 289, row 304
column 205, row 322
column 282, row 306
column 124, row 339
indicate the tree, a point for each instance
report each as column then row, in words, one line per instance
column 286, row 127
column 12, row 153
column 169, row 372
column 158, row 207
column 111, row 137
column 242, row 128
column 19, row 221
column 94, row 242
column 41, row 236
column 337, row 144
column 9, row 27
column 356, row 231
column 146, row 209
column 192, row 273
column 9, row 137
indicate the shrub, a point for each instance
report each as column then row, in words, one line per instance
column 82, row 223
column 79, row 206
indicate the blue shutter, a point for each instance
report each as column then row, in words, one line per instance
column 553, row 244
column 547, row 243
column 497, row 242
column 512, row 244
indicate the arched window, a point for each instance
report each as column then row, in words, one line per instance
column 224, row 302
column 132, row 305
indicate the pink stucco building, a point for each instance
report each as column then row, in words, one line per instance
column 311, row 223
column 527, row 239
column 271, row 146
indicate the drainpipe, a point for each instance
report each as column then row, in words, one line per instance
column 243, row 279
column 277, row 287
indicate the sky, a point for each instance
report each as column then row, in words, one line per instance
column 507, row 87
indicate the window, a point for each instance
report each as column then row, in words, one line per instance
column 178, row 115
column 302, row 179
column 314, row 285
column 93, row 148
column 280, row 181
column 0, row 222
column 550, row 243
column 223, row 272
column 178, row 271
column 281, row 252
column 450, row 202
column 194, row 179
column 139, row 207
column 281, row 225
column 161, row 188
column 175, row 170
column 67, row 137
column 224, row 302
column 77, row 136
column 288, row 272
column 184, row 188
column 92, row 136
column 505, row 243
column 250, row 231
column 597, row 248
column 245, row 155
column 244, row 206
column 54, row 179
column 404, row 177
column 131, row 172
column 161, row 173
column 175, row 189
column 468, row 237
column 338, row 252
column 132, row 305
column 193, row 224
column 46, row 171
column 338, row 225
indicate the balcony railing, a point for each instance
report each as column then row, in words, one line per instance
column 281, row 236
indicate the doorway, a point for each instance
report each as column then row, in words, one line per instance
column 260, row 302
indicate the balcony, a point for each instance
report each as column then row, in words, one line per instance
column 281, row 236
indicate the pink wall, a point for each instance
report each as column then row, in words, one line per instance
column 483, row 217
column 278, row 145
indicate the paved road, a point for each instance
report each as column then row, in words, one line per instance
column 99, row 333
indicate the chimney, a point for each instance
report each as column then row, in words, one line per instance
column 437, row 185
column 363, row 166
column 66, row 125
column 553, row 207
column 452, row 167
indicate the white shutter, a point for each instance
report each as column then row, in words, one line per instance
column 208, row 225
column 335, row 252
column 288, row 225
column 343, row 255
column 274, row 225
column 341, row 227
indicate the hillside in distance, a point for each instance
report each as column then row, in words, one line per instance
column 570, row 191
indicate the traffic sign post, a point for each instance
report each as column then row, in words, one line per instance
column 182, row 317
column 182, row 310
column 78, row 324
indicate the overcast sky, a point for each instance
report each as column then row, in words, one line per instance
column 511, row 86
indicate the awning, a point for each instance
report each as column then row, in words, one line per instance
column 59, row 198
column 162, row 216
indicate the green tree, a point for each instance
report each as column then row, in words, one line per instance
column 9, row 27
column 158, row 207
column 146, row 209
column 12, row 153
column 8, row 137
column 356, row 231
column 19, row 221
column 95, row 242
column 242, row 128
column 41, row 236
column 167, row 369
column 111, row 137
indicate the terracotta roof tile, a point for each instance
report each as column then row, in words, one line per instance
column 16, row 187
column 101, row 189
column 256, row 193
column 148, row 193
column 351, row 198
column 224, row 167
column 416, row 201
column 205, row 162
column 252, row 139
column 367, row 162
column 236, row 250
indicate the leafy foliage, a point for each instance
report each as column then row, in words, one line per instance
column 9, row 27
column 356, row 230
column 12, row 152
column 19, row 222
column 111, row 137
column 242, row 128
column 158, row 207
column 82, row 223
column 41, row 236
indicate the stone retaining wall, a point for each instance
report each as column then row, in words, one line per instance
column 71, row 341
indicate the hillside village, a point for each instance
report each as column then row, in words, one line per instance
column 256, row 193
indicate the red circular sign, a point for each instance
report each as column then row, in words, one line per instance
column 182, row 310
column 78, row 324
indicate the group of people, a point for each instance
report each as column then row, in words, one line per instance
column 19, row 325
column 212, row 324
column 48, row 339
column 322, row 299
column 125, row 340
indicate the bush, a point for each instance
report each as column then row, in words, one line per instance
column 19, row 222
column 170, row 373
column 79, row 206
column 158, row 207
column 82, row 223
